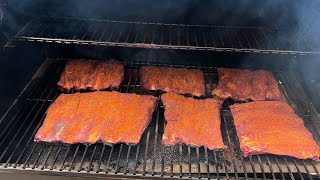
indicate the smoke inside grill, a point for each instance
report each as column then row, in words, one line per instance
column 149, row 157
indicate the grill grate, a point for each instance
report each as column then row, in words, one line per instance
column 166, row 36
column 149, row 158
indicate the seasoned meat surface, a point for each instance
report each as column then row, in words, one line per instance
column 273, row 127
column 60, row 114
column 106, row 74
column 91, row 74
column 191, row 121
column 108, row 117
column 76, row 74
column 179, row 80
column 245, row 85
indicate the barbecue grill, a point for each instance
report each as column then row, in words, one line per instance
column 31, row 31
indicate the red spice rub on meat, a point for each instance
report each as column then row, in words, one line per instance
column 179, row 80
column 247, row 85
column 91, row 74
column 108, row 117
column 191, row 121
column 273, row 127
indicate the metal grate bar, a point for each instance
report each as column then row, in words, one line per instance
column 149, row 157
column 189, row 161
column 24, row 134
column 65, row 158
column 83, row 157
column 17, row 145
column 230, row 145
column 225, row 164
column 74, row 157
column 29, row 156
column 136, row 161
column 262, row 169
column 146, row 153
column 280, row 169
column 21, row 126
column 129, row 149
column 198, row 163
column 295, row 164
column 253, row 168
column 307, row 170
column 315, row 169
column 180, row 160
column 270, row 167
column 138, row 146
column 171, row 161
column 91, row 159
column 56, row 157
column 162, row 154
column 100, row 159
column 47, row 156
column 207, row 162
column 216, row 164
column 110, row 155
column 9, row 124
column 155, row 141
column 121, row 146
column 127, row 160
column 215, row 156
column 289, row 169
column 41, row 151
column 119, row 158
column 164, row 36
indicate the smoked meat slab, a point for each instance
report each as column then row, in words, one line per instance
column 273, row 127
column 191, row 121
column 107, row 117
column 169, row 79
column 82, row 74
column 243, row 85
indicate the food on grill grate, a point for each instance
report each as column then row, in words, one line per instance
column 91, row 74
column 179, row 80
column 247, row 85
column 76, row 74
column 273, row 127
column 191, row 121
column 109, row 117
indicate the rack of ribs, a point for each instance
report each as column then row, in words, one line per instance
column 169, row 79
column 91, row 74
column 191, row 121
column 246, row 85
column 273, row 127
column 107, row 117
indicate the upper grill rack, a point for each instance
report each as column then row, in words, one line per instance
column 149, row 157
column 166, row 36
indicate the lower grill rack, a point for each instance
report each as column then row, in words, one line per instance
column 148, row 158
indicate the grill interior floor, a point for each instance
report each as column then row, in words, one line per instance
column 149, row 157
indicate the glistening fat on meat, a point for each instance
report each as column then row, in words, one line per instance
column 191, row 121
column 168, row 79
column 273, row 127
column 108, row 117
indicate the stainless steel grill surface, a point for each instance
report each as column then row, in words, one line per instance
column 149, row 158
column 166, row 36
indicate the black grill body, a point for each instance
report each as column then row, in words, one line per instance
column 39, row 36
